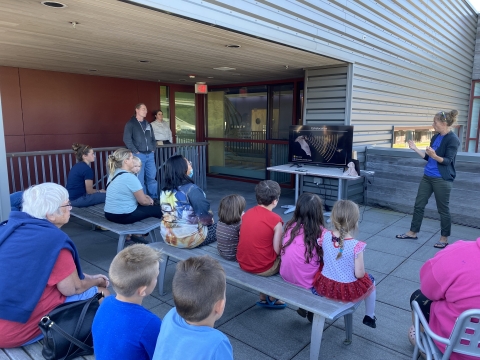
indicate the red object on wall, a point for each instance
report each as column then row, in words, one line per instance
column 46, row 110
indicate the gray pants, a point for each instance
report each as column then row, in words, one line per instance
column 441, row 188
column 89, row 200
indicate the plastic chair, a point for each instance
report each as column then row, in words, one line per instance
column 464, row 339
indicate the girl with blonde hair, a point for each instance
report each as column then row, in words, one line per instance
column 343, row 276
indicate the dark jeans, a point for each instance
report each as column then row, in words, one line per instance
column 211, row 235
column 140, row 213
column 424, row 303
column 89, row 200
column 441, row 188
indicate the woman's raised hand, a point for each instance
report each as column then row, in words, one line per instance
column 412, row 145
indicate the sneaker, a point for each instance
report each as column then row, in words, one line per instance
column 367, row 320
column 304, row 313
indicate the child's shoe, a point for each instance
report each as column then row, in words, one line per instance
column 367, row 320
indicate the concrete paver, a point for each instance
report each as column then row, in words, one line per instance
column 257, row 333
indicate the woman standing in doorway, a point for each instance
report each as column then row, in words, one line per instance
column 80, row 179
column 438, row 176
column 161, row 129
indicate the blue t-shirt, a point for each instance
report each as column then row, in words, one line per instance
column 431, row 169
column 124, row 331
column 180, row 340
column 76, row 180
column 120, row 198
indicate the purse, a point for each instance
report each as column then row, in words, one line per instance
column 67, row 329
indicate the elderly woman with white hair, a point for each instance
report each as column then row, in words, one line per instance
column 39, row 265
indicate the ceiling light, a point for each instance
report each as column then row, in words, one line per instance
column 209, row 77
column 92, row 70
column 182, row 79
column 233, row 46
column 53, row 4
column 224, row 68
column 143, row 61
column 191, row 76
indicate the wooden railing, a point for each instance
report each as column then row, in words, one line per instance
column 29, row 168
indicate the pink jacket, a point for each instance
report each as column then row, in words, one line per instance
column 451, row 280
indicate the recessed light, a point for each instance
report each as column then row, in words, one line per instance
column 209, row 77
column 53, row 4
column 182, row 79
column 191, row 76
column 144, row 61
column 224, row 68
column 233, row 46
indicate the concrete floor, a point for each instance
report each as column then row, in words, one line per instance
column 257, row 333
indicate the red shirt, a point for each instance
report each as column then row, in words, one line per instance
column 255, row 251
column 14, row 334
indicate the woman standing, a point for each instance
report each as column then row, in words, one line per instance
column 80, row 179
column 161, row 129
column 126, row 202
column 187, row 219
column 438, row 176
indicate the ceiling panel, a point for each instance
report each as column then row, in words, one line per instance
column 111, row 37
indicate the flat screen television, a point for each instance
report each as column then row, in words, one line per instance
column 327, row 145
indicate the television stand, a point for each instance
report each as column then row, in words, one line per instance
column 328, row 172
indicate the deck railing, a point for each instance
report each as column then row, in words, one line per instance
column 36, row 167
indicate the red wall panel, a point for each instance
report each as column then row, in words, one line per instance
column 52, row 110
column 11, row 101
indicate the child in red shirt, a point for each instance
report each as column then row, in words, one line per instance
column 261, row 238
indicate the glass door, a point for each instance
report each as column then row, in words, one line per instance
column 185, row 116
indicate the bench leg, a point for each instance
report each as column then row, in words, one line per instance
column 153, row 236
column 121, row 243
column 316, row 338
column 348, row 328
column 161, row 275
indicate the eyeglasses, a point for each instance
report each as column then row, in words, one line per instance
column 68, row 205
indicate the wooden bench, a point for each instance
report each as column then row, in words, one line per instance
column 274, row 286
column 96, row 216
column 29, row 352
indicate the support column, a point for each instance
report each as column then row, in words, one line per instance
column 4, row 188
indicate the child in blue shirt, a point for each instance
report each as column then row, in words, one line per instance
column 123, row 328
column 188, row 331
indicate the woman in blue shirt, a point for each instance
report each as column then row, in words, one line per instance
column 80, row 179
column 126, row 202
column 438, row 176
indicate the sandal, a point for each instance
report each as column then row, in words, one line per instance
column 272, row 304
column 440, row 245
column 405, row 236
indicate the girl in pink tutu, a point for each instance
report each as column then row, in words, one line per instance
column 343, row 276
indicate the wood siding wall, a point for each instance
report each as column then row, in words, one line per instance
column 46, row 110
column 411, row 58
column 398, row 173
column 476, row 61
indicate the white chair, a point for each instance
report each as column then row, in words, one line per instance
column 464, row 339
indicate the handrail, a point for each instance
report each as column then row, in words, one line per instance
column 35, row 167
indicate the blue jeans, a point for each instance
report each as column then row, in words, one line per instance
column 147, row 174
column 89, row 200
column 87, row 294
